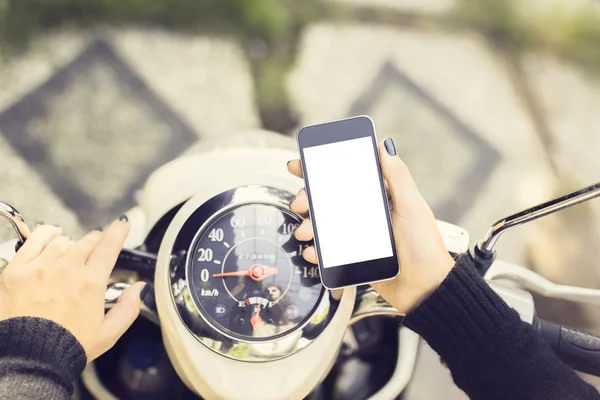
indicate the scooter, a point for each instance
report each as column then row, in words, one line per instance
column 237, row 313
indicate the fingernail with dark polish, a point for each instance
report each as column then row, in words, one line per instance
column 99, row 228
column 144, row 292
column 288, row 163
column 123, row 218
column 389, row 146
column 18, row 245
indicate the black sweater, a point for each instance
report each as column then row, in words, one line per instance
column 491, row 353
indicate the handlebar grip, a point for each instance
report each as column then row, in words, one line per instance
column 138, row 261
column 579, row 350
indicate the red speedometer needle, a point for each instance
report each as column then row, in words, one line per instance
column 256, row 272
column 256, row 320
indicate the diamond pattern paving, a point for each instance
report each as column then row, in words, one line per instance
column 430, row 138
column 95, row 131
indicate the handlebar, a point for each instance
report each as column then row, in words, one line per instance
column 484, row 252
column 139, row 261
column 580, row 350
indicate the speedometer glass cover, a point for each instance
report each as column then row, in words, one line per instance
column 247, row 275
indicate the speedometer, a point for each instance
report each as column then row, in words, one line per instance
column 247, row 275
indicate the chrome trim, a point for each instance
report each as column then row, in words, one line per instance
column 16, row 220
column 194, row 319
column 488, row 243
column 114, row 292
column 369, row 304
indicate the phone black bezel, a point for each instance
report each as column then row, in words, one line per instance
column 365, row 271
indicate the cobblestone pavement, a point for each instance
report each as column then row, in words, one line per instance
column 59, row 145
column 85, row 117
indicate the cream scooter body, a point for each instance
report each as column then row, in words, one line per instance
column 206, row 372
column 259, row 158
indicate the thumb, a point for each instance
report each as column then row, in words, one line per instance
column 121, row 316
column 401, row 186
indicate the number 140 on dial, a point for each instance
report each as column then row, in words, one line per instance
column 310, row 272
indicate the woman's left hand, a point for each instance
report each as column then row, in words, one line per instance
column 424, row 260
column 65, row 282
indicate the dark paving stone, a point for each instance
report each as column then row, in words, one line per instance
column 427, row 135
column 95, row 131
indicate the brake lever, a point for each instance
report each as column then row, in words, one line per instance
column 138, row 261
column 141, row 262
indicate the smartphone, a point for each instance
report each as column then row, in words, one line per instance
column 348, row 202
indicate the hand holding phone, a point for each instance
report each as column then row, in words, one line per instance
column 424, row 260
column 343, row 175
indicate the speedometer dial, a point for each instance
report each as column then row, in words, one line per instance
column 247, row 275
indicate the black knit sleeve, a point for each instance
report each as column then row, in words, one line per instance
column 490, row 352
column 39, row 359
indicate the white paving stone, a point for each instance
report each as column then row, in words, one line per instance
column 570, row 100
column 534, row 9
column 337, row 62
column 100, row 135
column 206, row 80
column 21, row 73
column 21, row 185
column 25, row 190
column 571, row 103
column 421, row 6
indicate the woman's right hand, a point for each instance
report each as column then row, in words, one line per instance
column 424, row 261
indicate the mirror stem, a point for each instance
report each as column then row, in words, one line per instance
column 485, row 250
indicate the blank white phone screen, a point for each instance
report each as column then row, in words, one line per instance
column 349, row 210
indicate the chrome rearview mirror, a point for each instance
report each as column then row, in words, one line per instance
column 17, row 222
column 484, row 251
